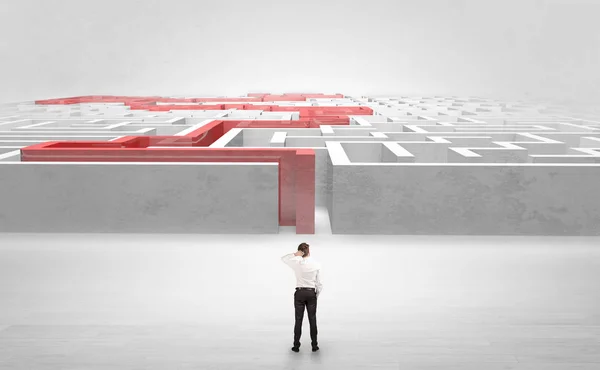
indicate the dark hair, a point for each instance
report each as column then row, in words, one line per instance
column 304, row 248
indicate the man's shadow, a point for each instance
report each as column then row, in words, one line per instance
column 296, row 360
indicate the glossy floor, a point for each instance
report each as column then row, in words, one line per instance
column 225, row 302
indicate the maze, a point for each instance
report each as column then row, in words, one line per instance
column 254, row 164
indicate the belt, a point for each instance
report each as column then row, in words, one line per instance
column 304, row 288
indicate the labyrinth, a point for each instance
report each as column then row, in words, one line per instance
column 262, row 162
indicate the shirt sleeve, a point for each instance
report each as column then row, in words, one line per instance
column 291, row 259
column 318, row 283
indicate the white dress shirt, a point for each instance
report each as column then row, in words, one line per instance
column 307, row 271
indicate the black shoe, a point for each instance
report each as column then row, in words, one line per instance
column 296, row 349
column 315, row 348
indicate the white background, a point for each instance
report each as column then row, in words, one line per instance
column 543, row 49
column 155, row 302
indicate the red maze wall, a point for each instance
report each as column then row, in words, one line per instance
column 296, row 166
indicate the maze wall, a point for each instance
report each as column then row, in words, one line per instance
column 395, row 165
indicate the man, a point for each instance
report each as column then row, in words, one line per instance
column 308, row 288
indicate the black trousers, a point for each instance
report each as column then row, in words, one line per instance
column 305, row 298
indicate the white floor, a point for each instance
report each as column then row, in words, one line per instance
column 226, row 302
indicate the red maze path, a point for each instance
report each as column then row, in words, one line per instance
column 296, row 166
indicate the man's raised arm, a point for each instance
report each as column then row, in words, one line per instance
column 291, row 259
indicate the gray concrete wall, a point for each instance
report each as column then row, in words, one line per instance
column 261, row 137
column 139, row 197
column 465, row 199
column 321, row 156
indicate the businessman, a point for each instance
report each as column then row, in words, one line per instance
column 308, row 288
